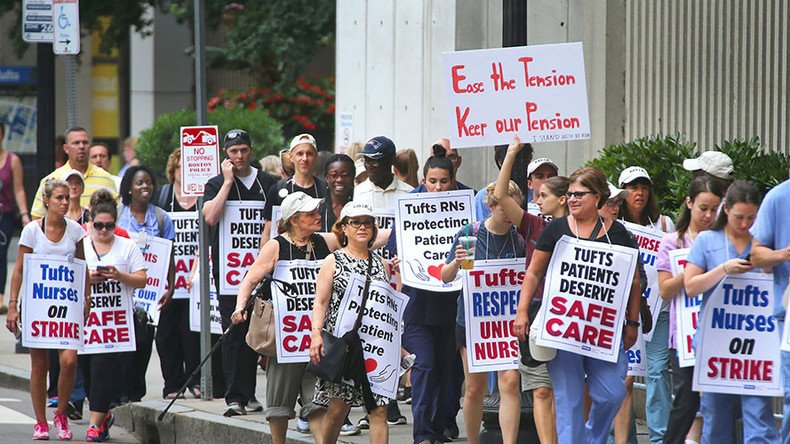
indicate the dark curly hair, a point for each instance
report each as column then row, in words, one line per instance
column 126, row 182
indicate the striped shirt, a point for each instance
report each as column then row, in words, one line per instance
column 95, row 178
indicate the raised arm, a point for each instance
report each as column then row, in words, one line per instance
column 212, row 209
column 511, row 207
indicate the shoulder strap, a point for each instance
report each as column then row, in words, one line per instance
column 162, row 199
column 358, row 322
column 596, row 229
column 160, row 219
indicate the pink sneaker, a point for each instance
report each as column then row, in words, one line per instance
column 41, row 431
column 62, row 426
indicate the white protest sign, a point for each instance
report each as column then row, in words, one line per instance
column 686, row 311
column 379, row 331
column 425, row 225
column 585, row 296
column 194, row 304
column 637, row 363
column 239, row 242
column 276, row 212
column 53, row 301
column 737, row 342
column 385, row 220
column 536, row 91
column 110, row 325
column 293, row 309
column 156, row 257
column 199, row 158
column 491, row 294
column 184, row 249
column 649, row 240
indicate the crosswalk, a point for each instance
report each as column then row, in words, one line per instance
column 10, row 416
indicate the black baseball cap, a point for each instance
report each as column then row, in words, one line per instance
column 236, row 137
column 378, row 147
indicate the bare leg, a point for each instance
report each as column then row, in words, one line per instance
column 695, row 432
column 333, row 419
column 279, row 428
column 97, row 418
column 39, row 366
column 379, row 431
column 509, row 405
column 68, row 375
column 587, row 403
column 316, row 421
column 473, row 401
column 545, row 414
column 622, row 422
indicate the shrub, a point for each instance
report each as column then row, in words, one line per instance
column 156, row 143
column 662, row 157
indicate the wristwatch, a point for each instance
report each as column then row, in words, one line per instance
column 631, row 323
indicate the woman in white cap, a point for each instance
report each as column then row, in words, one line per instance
column 298, row 239
column 641, row 208
column 76, row 182
column 538, row 171
column 714, row 164
column 355, row 231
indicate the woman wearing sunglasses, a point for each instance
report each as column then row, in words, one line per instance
column 110, row 258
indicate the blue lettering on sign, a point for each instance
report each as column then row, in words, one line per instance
column 634, row 356
column 148, row 295
column 648, row 259
column 495, row 303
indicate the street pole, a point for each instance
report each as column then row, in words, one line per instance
column 203, row 241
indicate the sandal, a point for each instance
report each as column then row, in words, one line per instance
column 196, row 392
column 174, row 395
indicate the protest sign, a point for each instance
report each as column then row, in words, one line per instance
column 686, row 311
column 586, row 292
column 240, row 237
column 276, row 212
column 379, row 331
column 649, row 240
column 737, row 343
column 637, row 363
column 491, row 294
column 199, row 158
column 385, row 220
column 110, row 325
column 194, row 304
column 53, row 302
column 293, row 308
column 185, row 249
column 425, row 225
column 156, row 257
column 536, row 91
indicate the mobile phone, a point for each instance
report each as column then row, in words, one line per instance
column 102, row 268
column 748, row 257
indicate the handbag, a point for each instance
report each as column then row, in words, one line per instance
column 260, row 335
column 333, row 364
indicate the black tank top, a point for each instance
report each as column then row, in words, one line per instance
column 289, row 251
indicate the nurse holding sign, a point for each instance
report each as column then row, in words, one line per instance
column 57, row 287
column 586, row 316
column 714, row 267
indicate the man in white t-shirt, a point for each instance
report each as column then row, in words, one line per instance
column 381, row 187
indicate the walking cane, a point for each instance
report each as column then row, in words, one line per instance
column 267, row 279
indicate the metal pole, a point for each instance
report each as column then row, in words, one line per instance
column 71, row 90
column 45, row 103
column 205, row 298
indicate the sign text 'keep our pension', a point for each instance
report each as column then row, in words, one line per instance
column 538, row 92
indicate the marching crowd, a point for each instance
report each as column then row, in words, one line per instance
column 328, row 206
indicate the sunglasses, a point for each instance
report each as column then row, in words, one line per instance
column 368, row 223
column 577, row 194
column 237, row 134
column 101, row 225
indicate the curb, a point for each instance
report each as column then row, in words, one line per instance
column 14, row 378
column 186, row 425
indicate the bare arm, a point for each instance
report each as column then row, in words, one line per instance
column 171, row 279
column 212, row 210
column 19, row 188
column 323, row 294
column 511, row 207
column 450, row 271
column 764, row 257
column 79, row 253
column 698, row 281
column 16, row 284
column 668, row 285
column 263, row 264
column 536, row 271
column 266, row 234
column 630, row 332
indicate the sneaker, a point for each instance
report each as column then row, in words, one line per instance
column 52, row 402
column 349, row 429
column 62, row 426
column 254, row 406
column 104, row 428
column 302, row 426
column 74, row 412
column 363, row 423
column 394, row 416
column 406, row 363
column 405, row 396
column 41, row 431
column 451, row 429
column 235, row 409
column 93, row 434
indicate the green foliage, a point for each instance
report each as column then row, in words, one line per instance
column 662, row 157
column 156, row 143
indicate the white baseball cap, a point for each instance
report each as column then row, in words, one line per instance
column 632, row 173
column 356, row 209
column 712, row 162
column 303, row 139
column 69, row 173
column 615, row 192
column 296, row 202
column 535, row 164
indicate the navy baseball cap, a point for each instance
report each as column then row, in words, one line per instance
column 378, row 147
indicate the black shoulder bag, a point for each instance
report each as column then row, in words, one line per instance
column 332, row 366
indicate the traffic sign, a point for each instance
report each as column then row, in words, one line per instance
column 37, row 21
column 66, row 24
column 199, row 158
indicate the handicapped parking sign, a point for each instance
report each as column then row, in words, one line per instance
column 66, row 26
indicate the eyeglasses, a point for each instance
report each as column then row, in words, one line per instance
column 577, row 194
column 613, row 202
column 101, row 225
column 368, row 223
